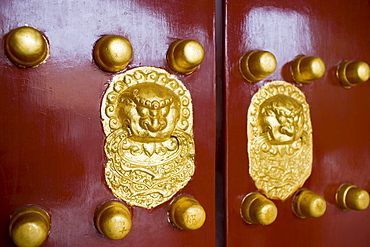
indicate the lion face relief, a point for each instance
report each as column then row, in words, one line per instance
column 279, row 139
column 150, row 111
column 148, row 122
column 281, row 118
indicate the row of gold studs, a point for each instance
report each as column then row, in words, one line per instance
column 28, row 48
column 256, row 65
column 30, row 225
column 257, row 209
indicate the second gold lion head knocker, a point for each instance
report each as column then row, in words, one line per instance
column 279, row 139
column 148, row 120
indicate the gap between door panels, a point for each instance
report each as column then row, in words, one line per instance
column 220, row 143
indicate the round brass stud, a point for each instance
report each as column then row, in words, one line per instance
column 257, row 209
column 308, row 204
column 256, row 65
column 351, row 73
column 349, row 197
column 307, row 69
column 112, row 53
column 29, row 226
column 113, row 220
column 26, row 47
column 186, row 213
column 184, row 56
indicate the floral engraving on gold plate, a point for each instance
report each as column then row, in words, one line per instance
column 148, row 120
column 279, row 139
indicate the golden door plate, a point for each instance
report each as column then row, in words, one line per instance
column 279, row 139
column 148, row 121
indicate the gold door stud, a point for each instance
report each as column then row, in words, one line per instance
column 29, row 226
column 26, row 47
column 351, row 73
column 349, row 197
column 307, row 69
column 308, row 204
column 112, row 53
column 184, row 56
column 257, row 209
column 113, row 220
column 186, row 213
column 256, row 65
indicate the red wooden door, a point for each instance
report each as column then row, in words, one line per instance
column 52, row 140
column 333, row 31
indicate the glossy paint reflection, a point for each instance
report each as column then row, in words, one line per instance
column 152, row 28
column 69, row 35
column 272, row 28
column 340, row 117
column 52, row 145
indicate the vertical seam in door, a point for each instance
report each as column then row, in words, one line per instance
column 220, row 157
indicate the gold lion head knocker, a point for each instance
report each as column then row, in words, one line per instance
column 147, row 118
column 281, row 119
column 279, row 139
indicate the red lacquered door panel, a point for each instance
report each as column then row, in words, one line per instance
column 340, row 117
column 51, row 147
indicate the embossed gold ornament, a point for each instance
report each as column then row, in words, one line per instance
column 148, row 120
column 279, row 139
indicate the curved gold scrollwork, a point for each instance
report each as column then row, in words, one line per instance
column 148, row 120
column 279, row 139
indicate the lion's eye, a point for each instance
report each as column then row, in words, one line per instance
column 143, row 111
column 282, row 119
column 165, row 110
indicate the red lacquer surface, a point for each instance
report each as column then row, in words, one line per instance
column 51, row 145
column 334, row 31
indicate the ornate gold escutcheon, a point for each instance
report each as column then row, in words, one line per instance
column 148, row 120
column 186, row 213
column 279, row 139
column 29, row 226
